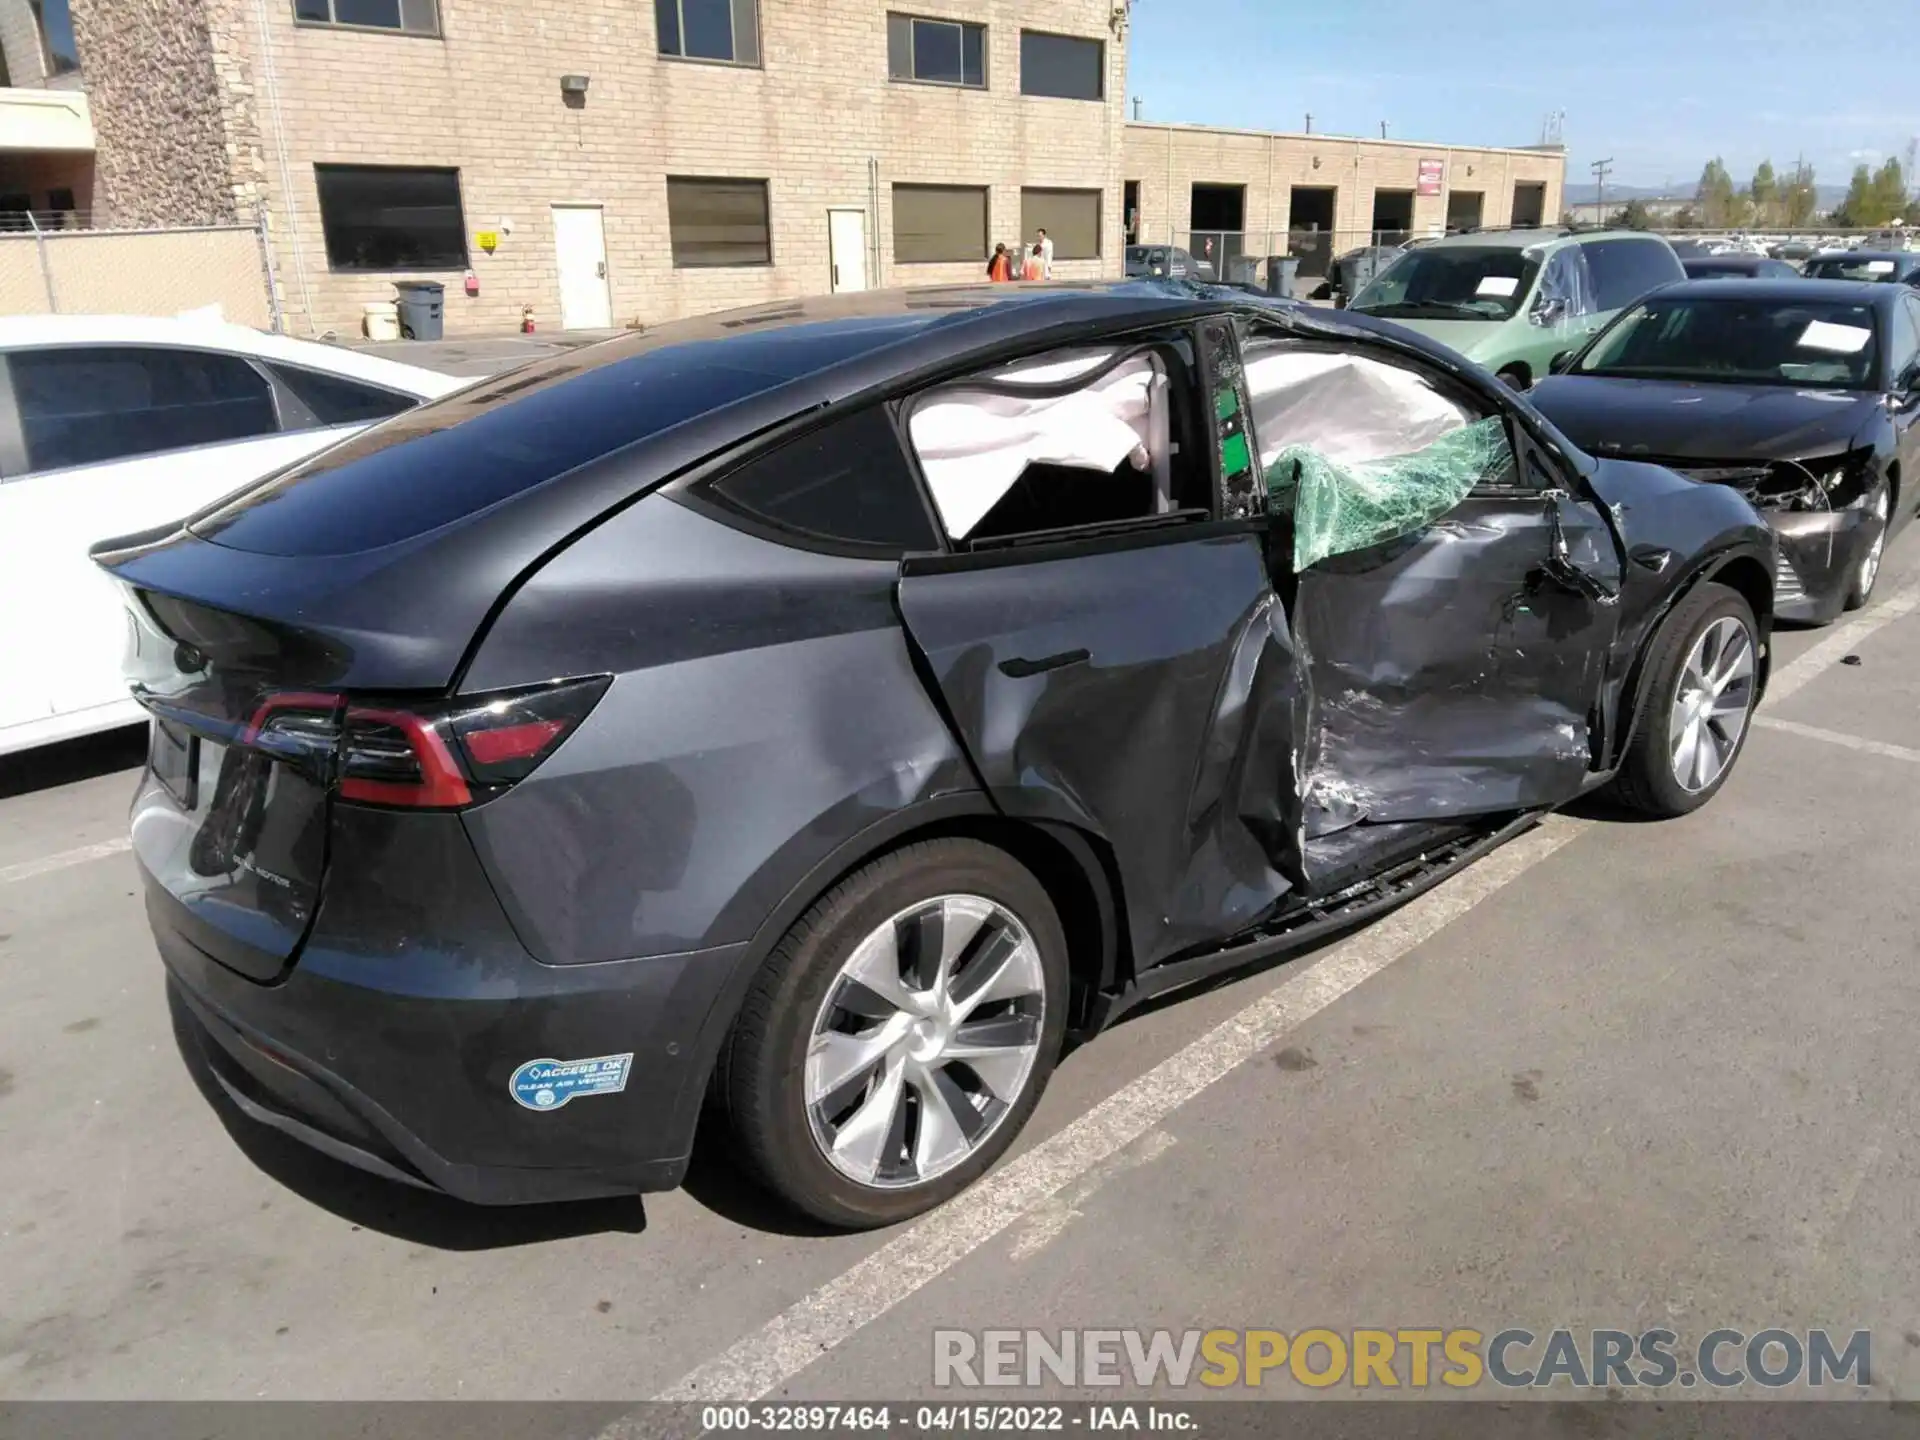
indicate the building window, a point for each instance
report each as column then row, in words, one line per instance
column 55, row 23
column 1062, row 66
column 391, row 217
column 414, row 17
column 727, row 31
column 1071, row 219
column 936, row 223
column 936, row 52
column 718, row 222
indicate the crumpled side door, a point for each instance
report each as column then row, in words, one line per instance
column 1455, row 668
column 1133, row 692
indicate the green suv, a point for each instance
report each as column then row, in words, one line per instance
column 1510, row 300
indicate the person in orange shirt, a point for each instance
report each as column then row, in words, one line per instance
column 1036, row 267
column 1001, row 266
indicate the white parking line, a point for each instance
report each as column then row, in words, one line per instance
column 27, row 869
column 1834, row 737
column 1049, row 1220
column 814, row 1325
column 1841, row 640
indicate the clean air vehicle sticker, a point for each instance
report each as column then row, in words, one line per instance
column 549, row 1084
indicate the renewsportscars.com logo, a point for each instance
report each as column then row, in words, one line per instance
column 1369, row 1359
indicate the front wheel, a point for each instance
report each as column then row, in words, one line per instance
column 1867, row 572
column 898, row 1038
column 1702, row 681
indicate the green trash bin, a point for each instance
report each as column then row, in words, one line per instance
column 422, row 305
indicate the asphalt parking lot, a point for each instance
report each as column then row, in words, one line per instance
column 1616, row 1075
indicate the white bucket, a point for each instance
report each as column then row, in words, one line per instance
column 382, row 320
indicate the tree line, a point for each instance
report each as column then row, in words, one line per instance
column 1770, row 201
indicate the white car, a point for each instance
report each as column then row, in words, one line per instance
column 111, row 425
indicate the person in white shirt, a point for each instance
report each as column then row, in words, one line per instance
column 1046, row 255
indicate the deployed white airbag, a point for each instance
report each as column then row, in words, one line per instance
column 1350, row 409
column 975, row 443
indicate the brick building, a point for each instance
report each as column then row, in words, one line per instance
column 612, row 160
column 1254, row 193
column 609, row 161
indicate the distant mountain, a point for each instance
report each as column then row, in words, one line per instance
column 1830, row 195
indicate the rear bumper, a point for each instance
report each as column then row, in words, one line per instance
column 400, row 1061
column 1820, row 553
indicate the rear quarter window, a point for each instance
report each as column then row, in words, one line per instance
column 1624, row 270
column 844, row 484
column 319, row 400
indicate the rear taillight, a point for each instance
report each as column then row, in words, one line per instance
column 400, row 757
column 453, row 753
column 503, row 737
column 433, row 755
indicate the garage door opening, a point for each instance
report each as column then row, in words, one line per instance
column 1392, row 217
column 1310, row 227
column 1529, row 204
column 1464, row 209
column 1217, row 218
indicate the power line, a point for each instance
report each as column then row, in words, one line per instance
column 1601, row 169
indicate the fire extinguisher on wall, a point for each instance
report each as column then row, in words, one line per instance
column 472, row 283
column 526, row 320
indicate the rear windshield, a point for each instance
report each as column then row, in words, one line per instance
column 1850, row 267
column 1454, row 282
column 456, row 457
column 1805, row 344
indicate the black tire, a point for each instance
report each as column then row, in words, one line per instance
column 1860, row 585
column 1645, row 781
column 1516, row 379
column 762, row 1076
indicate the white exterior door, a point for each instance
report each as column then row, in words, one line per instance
column 580, row 243
column 847, row 248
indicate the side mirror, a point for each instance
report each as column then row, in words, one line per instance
column 1558, row 365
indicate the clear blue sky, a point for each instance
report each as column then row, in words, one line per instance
column 1661, row 86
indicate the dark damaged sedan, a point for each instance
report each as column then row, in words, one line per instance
column 1800, row 394
column 812, row 716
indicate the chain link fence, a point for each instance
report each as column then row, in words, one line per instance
column 1345, row 259
column 1249, row 256
column 59, row 263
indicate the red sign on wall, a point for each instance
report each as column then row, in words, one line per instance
column 1432, row 175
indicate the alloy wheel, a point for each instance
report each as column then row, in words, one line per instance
column 1870, row 562
column 1711, row 704
column 925, row 1041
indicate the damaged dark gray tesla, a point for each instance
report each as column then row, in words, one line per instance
column 814, row 715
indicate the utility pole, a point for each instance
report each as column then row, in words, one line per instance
column 1309, row 122
column 1383, row 129
column 1600, row 169
column 1136, row 107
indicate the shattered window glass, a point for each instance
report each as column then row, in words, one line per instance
column 1341, row 507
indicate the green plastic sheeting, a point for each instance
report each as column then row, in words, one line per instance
column 1340, row 508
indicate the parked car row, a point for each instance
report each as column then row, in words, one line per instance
column 1802, row 393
